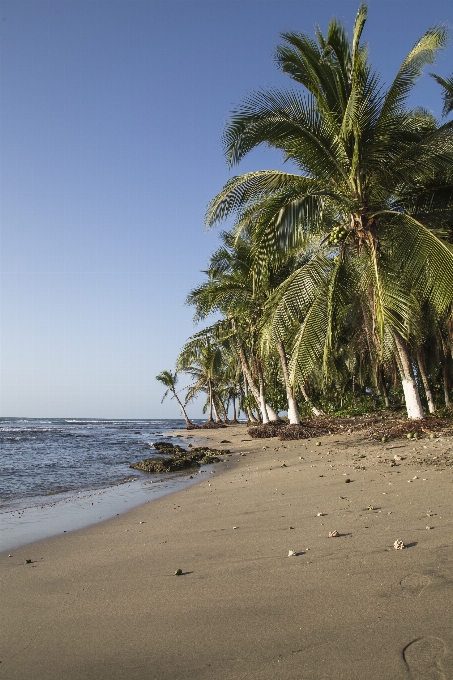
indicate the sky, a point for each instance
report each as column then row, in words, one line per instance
column 111, row 119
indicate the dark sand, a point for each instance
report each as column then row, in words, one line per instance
column 104, row 603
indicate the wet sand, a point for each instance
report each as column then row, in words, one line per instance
column 103, row 602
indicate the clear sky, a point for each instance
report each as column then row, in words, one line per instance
column 111, row 121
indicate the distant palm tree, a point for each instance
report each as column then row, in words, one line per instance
column 361, row 157
column 170, row 379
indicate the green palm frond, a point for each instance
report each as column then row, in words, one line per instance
column 447, row 95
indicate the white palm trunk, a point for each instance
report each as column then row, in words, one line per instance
column 314, row 410
column 293, row 413
column 273, row 415
column 429, row 394
column 255, row 392
column 411, row 396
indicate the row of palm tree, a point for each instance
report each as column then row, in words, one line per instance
column 338, row 273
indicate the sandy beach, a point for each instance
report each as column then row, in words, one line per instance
column 104, row 602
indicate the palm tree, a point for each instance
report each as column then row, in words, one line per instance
column 203, row 361
column 361, row 157
column 230, row 289
column 447, row 94
column 170, row 379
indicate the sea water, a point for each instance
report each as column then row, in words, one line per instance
column 59, row 474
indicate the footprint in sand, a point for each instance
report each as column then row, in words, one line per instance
column 413, row 584
column 423, row 658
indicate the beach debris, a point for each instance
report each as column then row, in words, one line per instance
column 347, row 480
column 283, row 465
column 415, row 477
column 399, row 545
column 318, row 443
column 333, row 534
column 178, row 572
column 321, row 514
column 397, row 457
column 27, row 562
column 235, row 527
column 430, row 513
column 370, row 507
column 429, row 527
column 292, row 553
column 225, row 441
column 141, row 522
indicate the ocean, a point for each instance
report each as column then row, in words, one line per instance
column 72, row 472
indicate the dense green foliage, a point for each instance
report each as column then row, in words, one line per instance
column 334, row 286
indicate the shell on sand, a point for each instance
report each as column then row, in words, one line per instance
column 333, row 534
column 292, row 553
column 399, row 545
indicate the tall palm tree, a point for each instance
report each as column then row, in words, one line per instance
column 361, row 157
column 169, row 380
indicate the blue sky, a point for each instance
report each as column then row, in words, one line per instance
column 111, row 122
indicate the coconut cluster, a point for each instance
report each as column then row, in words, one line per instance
column 338, row 234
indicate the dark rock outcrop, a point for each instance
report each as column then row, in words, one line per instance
column 177, row 459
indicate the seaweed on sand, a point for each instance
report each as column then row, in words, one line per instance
column 376, row 426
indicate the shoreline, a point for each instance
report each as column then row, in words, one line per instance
column 58, row 514
column 34, row 518
column 103, row 602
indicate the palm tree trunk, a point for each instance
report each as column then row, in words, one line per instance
column 256, row 393
column 446, row 381
column 210, row 401
column 216, row 415
column 411, row 396
column 235, row 418
column 293, row 413
column 429, row 394
column 314, row 410
column 183, row 410
column 250, row 415
column 262, row 400
column 381, row 378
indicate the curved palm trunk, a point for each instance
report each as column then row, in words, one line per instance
column 271, row 413
column 256, row 393
column 293, row 413
column 429, row 394
column 411, row 396
column 216, row 414
column 183, row 410
column 314, row 410
column 250, row 415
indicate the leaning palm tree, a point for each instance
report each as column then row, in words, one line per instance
column 169, row 380
column 360, row 158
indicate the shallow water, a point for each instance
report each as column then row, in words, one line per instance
column 62, row 474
